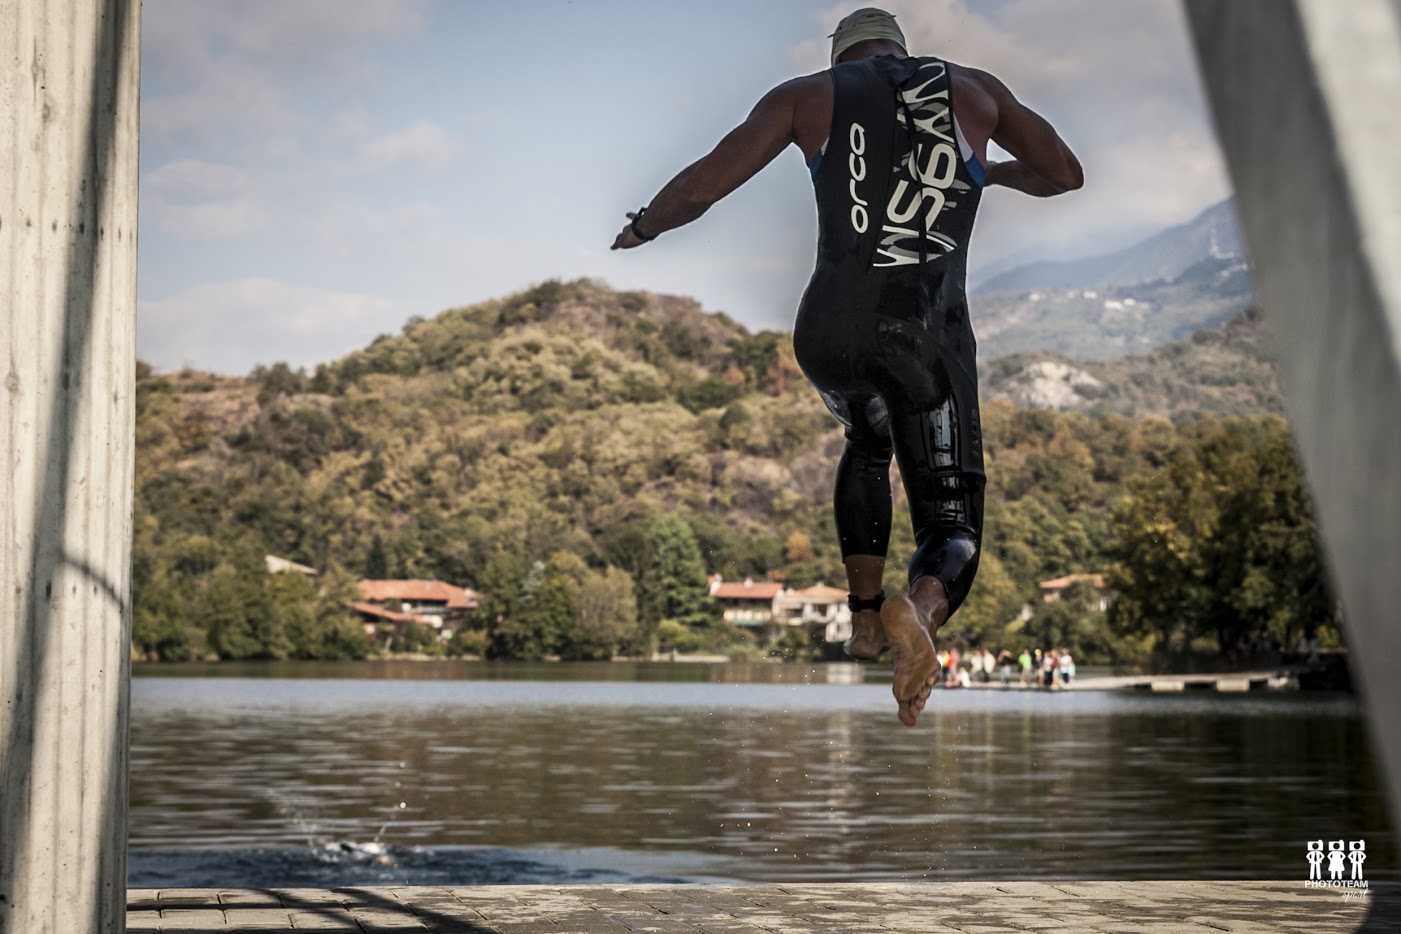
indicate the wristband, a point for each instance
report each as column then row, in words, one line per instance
column 636, row 232
column 858, row 604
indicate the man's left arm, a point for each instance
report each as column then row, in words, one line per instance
column 737, row 158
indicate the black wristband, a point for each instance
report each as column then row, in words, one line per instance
column 858, row 604
column 636, row 232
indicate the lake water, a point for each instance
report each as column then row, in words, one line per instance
column 472, row 773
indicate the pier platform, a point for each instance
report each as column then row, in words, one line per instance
column 864, row 908
column 1228, row 681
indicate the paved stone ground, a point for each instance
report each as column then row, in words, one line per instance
column 939, row 908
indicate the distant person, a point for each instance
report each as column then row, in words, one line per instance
column 975, row 664
column 897, row 149
column 1048, row 669
column 1004, row 667
column 1306, row 649
column 1067, row 667
column 1024, row 660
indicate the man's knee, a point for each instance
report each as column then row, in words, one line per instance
column 867, row 450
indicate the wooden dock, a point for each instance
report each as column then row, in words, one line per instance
column 1234, row 681
column 881, row 908
column 1227, row 681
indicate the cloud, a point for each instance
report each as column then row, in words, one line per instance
column 230, row 327
column 181, row 38
column 203, row 200
column 219, row 73
column 421, row 145
column 194, row 178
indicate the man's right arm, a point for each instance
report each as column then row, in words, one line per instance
column 738, row 157
column 1042, row 164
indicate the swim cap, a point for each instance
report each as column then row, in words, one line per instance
column 868, row 23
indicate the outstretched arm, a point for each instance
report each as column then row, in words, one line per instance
column 1042, row 163
column 737, row 158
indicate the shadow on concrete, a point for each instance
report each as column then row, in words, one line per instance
column 351, row 898
column 1384, row 908
column 88, row 228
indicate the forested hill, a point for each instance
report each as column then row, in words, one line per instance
column 568, row 423
column 1226, row 370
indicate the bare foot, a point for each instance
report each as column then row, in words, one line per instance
column 867, row 638
column 911, row 654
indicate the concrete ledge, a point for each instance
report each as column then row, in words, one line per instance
column 937, row 908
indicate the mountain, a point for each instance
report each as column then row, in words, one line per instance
column 1212, row 234
column 547, row 446
column 1226, row 370
column 1109, row 322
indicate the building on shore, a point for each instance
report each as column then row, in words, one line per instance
column 276, row 565
column 770, row 610
column 1051, row 590
column 817, row 607
column 436, row 604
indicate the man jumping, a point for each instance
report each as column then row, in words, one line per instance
column 897, row 148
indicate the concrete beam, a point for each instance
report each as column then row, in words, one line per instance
column 68, row 172
column 1305, row 95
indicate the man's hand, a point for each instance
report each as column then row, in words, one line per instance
column 626, row 239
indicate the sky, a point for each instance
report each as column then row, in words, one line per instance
column 316, row 172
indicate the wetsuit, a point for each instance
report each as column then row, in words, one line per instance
column 883, row 330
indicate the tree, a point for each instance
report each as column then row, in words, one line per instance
column 316, row 624
column 603, row 612
column 1075, row 622
column 340, row 633
column 991, row 604
column 159, row 630
column 377, row 562
column 239, row 611
column 677, row 584
column 798, row 547
column 293, row 608
column 1220, row 542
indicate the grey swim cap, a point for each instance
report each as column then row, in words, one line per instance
column 868, row 23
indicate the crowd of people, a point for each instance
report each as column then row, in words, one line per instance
column 1051, row 669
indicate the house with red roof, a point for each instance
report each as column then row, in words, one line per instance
column 1051, row 590
column 431, row 603
column 771, row 608
column 818, row 606
column 748, row 604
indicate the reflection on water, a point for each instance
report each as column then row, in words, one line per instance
column 484, row 773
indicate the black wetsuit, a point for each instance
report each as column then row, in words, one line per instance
column 883, row 329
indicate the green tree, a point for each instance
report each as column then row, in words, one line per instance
column 1220, row 542
column 292, row 600
column 340, row 633
column 1075, row 621
column 239, row 614
column 159, row 630
column 377, row 561
column 676, row 583
column 992, row 603
column 604, row 616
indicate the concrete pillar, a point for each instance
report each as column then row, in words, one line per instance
column 1305, row 94
column 68, row 138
